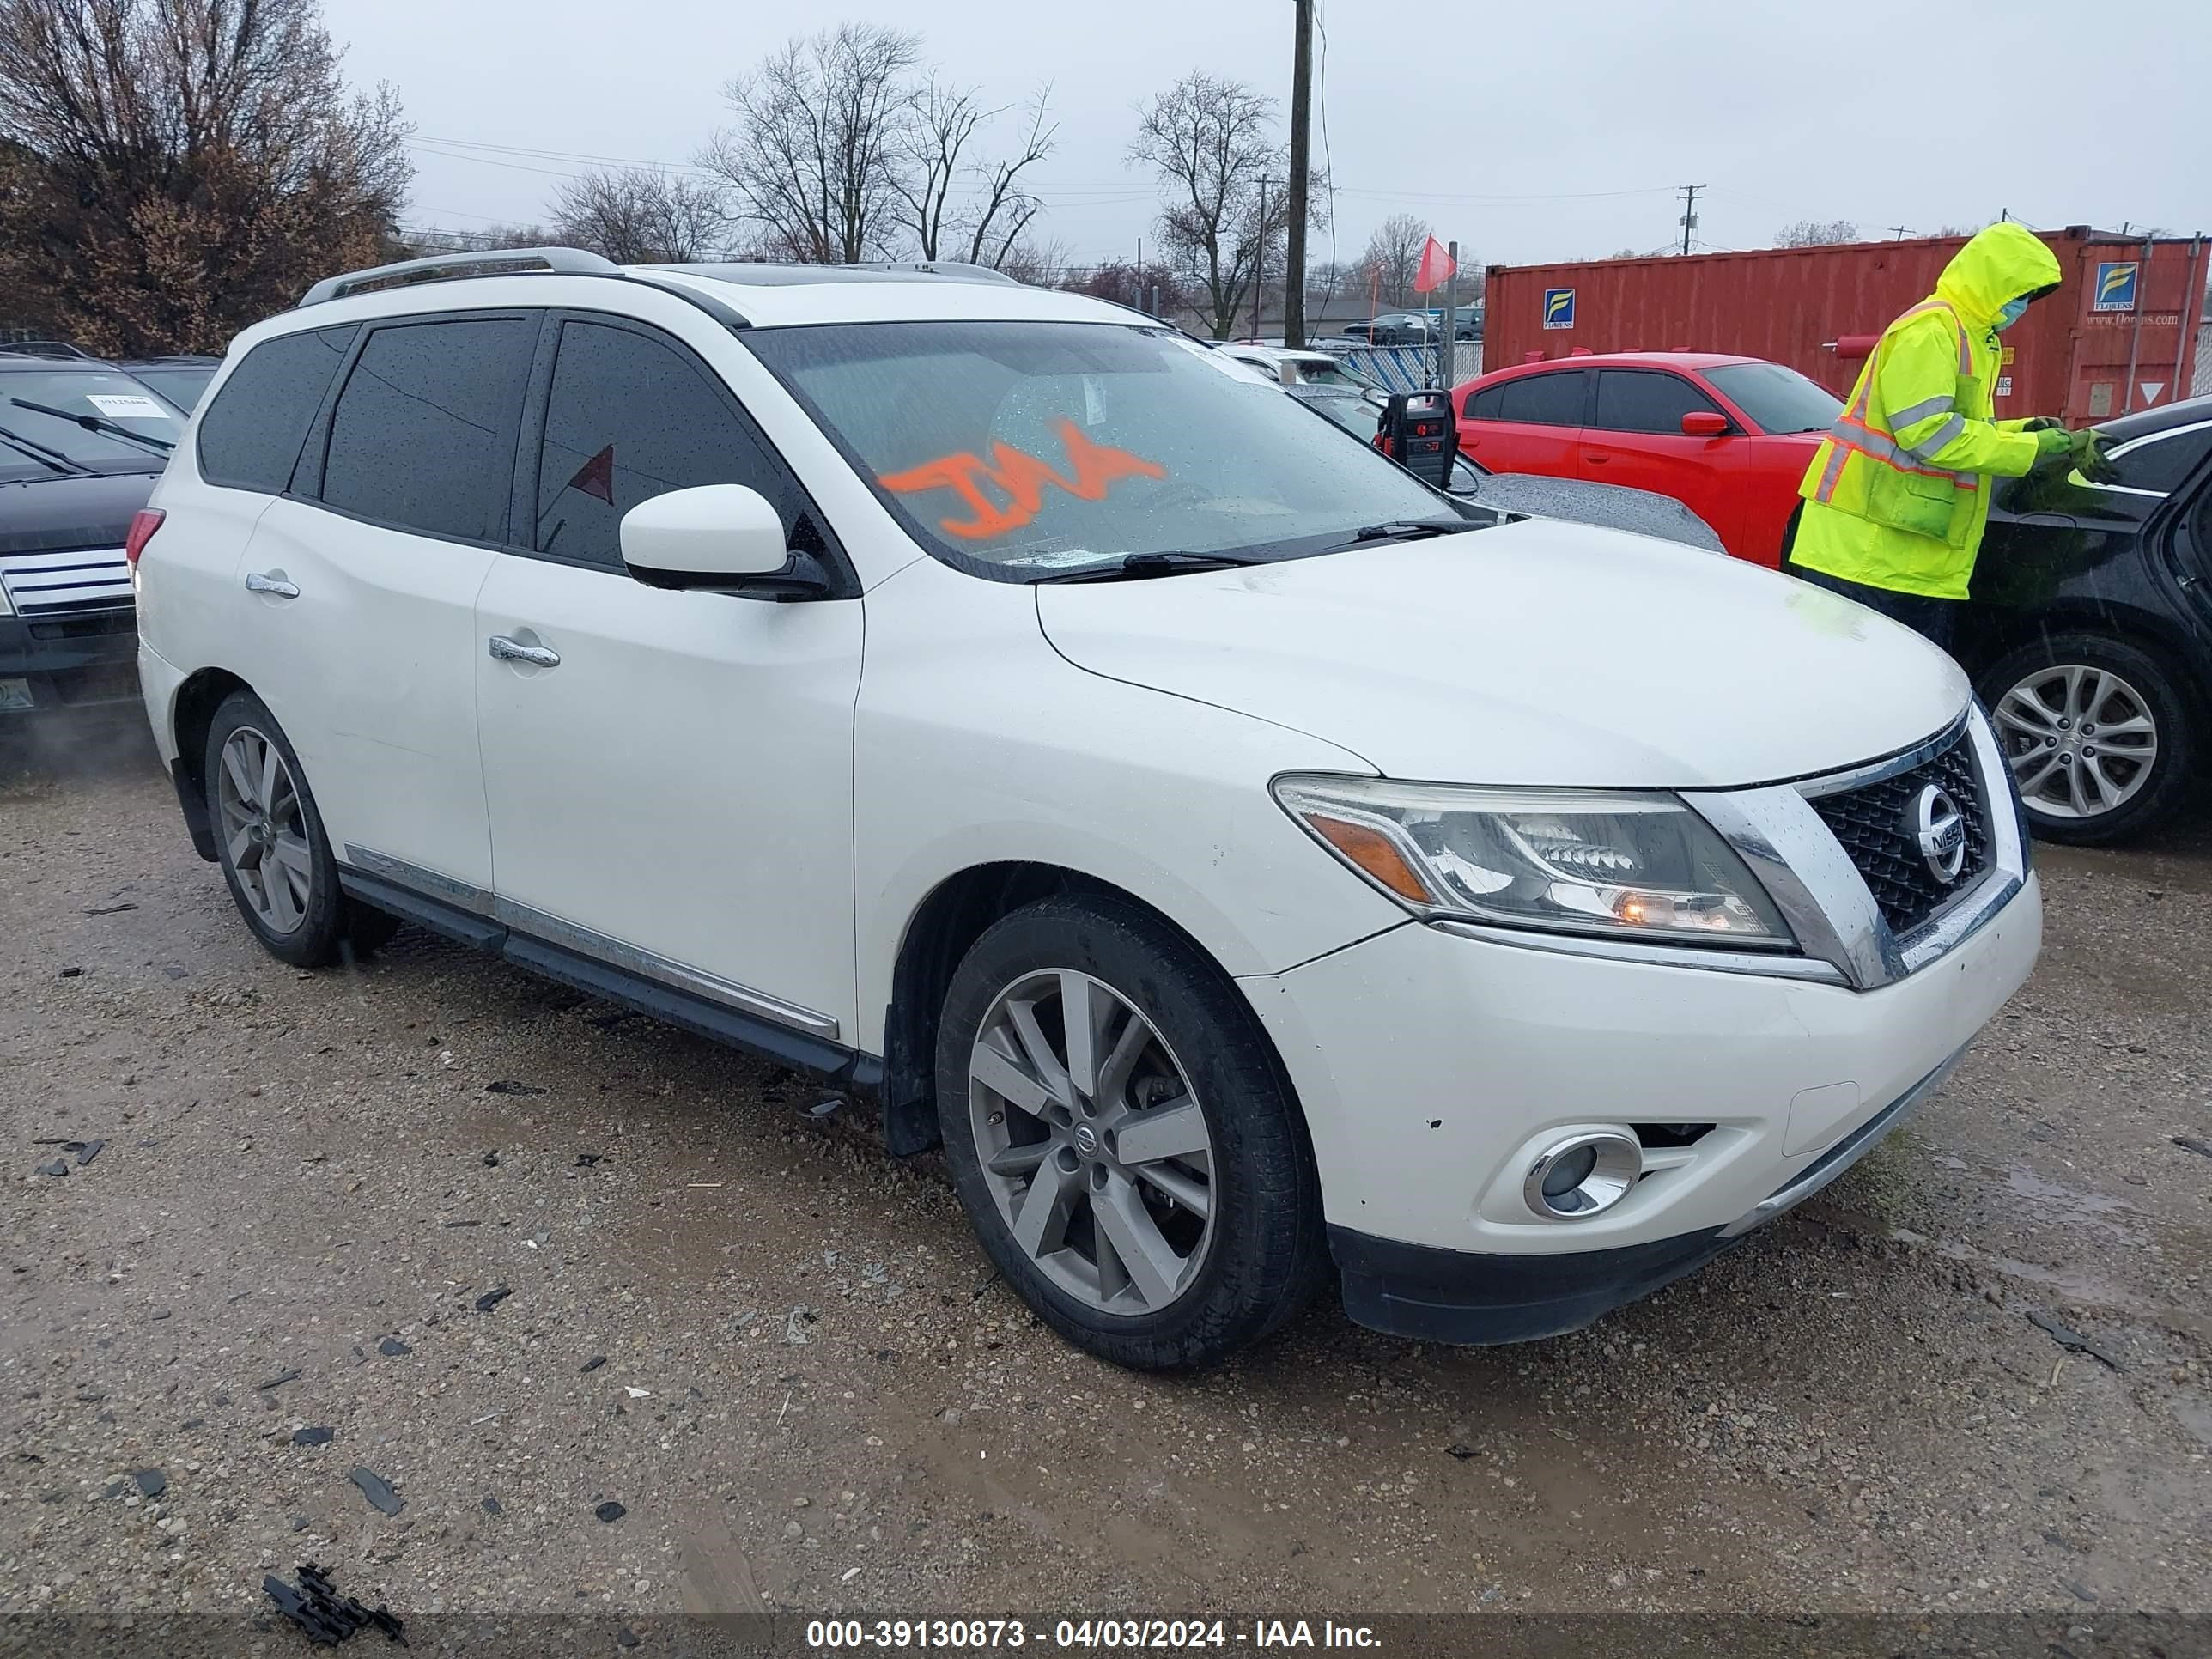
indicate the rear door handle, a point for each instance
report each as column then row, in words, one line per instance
column 1599, row 457
column 274, row 587
column 537, row 656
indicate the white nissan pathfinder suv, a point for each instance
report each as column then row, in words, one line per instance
column 1252, row 866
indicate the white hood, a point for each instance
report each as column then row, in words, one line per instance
column 1535, row 653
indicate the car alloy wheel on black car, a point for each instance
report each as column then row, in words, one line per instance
column 2096, row 733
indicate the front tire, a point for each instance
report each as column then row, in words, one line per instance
column 1145, row 1187
column 270, row 840
column 2097, row 735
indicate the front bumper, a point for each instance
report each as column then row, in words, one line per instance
column 1433, row 1067
column 81, row 660
column 1455, row 1296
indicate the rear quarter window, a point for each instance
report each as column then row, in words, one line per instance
column 1542, row 399
column 251, row 435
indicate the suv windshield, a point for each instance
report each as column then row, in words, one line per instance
column 104, row 395
column 1778, row 399
column 1022, row 449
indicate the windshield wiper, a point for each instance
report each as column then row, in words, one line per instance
column 95, row 423
column 53, row 458
column 1138, row 566
column 1407, row 530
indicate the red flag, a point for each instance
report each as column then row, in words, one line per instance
column 597, row 476
column 1436, row 268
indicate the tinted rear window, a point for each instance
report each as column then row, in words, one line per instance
column 1647, row 400
column 2161, row 463
column 250, row 436
column 1542, row 399
column 423, row 434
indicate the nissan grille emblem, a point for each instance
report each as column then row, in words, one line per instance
column 1939, row 830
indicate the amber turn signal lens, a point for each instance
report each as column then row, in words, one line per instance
column 1374, row 853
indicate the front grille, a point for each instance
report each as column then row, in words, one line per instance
column 1874, row 823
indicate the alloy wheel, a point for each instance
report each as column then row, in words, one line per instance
column 1092, row 1143
column 263, row 831
column 2082, row 741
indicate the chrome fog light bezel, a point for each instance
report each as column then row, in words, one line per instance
column 1613, row 1175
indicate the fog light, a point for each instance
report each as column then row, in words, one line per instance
column 1583, row 1174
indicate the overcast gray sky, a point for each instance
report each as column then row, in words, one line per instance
column 1530, row 131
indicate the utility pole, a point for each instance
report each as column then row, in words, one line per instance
column 1899, row 229
column 1689, row 213
column 1294, row 278
column 1260, row 262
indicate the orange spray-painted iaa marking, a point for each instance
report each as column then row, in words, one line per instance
column 1022, row 478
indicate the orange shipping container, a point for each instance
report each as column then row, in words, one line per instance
column 2120, row 334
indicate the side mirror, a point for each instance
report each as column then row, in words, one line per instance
column 1705, row 423
column 722, row 538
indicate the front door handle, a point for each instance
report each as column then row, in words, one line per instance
column 1597, row 457
column 274, row 587
column 537, row 656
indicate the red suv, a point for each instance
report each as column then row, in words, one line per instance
column 1728, row 437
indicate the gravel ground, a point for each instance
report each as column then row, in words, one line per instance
column 522, row 1256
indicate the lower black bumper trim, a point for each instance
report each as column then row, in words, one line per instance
column 1462, row 1296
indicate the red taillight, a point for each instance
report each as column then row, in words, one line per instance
column 144, row 523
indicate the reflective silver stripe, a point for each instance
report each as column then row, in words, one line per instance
column 1831, row 473
column 1920, row 411
column 1927, row 446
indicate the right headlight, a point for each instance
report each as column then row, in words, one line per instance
column 1610, row 863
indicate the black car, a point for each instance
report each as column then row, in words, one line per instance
column 2090, row 632
column 176, row 380
column 81, row 444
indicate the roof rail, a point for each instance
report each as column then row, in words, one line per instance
column 47, row 349
column 957, row 269
column 452, row 267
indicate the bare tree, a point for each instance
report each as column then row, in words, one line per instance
column 410, row 243
column 814, row 159
column 1006, row 208
column 1224, row 183
column 1153, row 287
column 1039, row 263
column 1816, row 232
column 941, row 120
column 175, row 169
column 641, row 216
column 1393, row 255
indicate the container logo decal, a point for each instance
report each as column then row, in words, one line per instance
column 1560, row 307
column 2116, row 286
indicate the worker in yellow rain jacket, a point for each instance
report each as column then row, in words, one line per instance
column 1899, row 491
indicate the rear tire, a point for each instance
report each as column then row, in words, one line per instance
column 270, row 841
column 1150, row 1192
column 2100, row 738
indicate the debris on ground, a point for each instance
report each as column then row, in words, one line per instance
column 2192, row 1144
column 85, row 1150
column 492, row 1298
column 491, row 1507
column 625, row 1637
column 327, row 1617
column 278, row 1381
column 587, row 1160
column 152, row 1483
column 1460, row 1450
column 592, row 1364
column 491, row 1160
column 312, row 1437
column 508, row 1086
column 59, row 1167
column 71, row 973
column 109, row 910
column 610, row 1511
column 2071, row 1339
column 375, row 1488
column 795, row 1324
column 391, row 1347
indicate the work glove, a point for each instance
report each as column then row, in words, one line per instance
column 2042, row 423
column 2051, row 441
column 2087, row 455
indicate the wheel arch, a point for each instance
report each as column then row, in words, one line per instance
column 940, row 931
column 191, row 715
